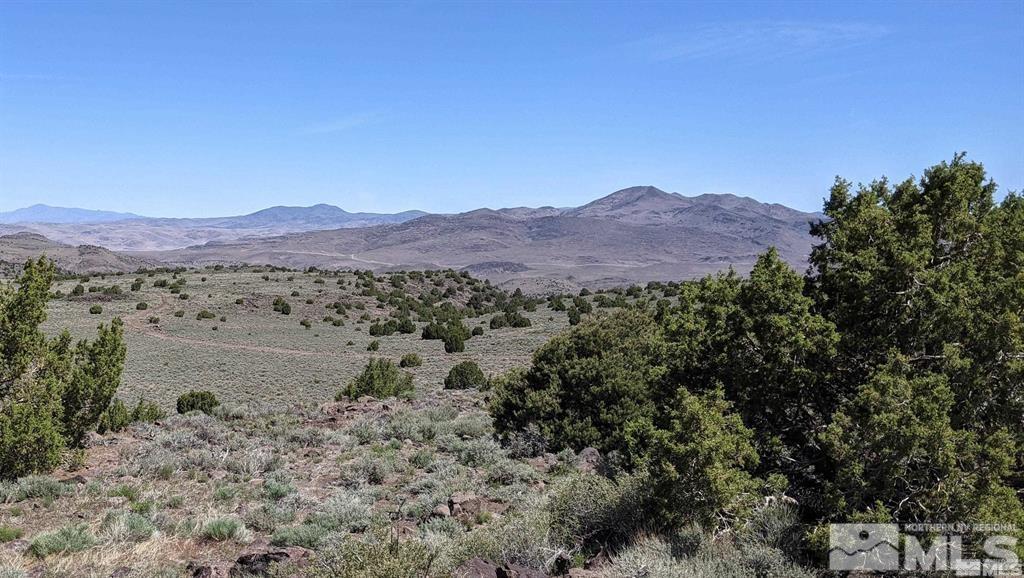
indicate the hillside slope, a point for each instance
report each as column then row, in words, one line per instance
column 17, row 248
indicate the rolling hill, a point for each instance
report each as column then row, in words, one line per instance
column 15, row 249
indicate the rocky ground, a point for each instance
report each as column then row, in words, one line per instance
column 252, row 491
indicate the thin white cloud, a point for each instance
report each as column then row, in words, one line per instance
column 344, row 123
column 762, row 40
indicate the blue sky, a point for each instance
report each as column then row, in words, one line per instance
column 192, row 109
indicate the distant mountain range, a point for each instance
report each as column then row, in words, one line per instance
column 632, row 235
column 48, row 214
column 128, row 232
column 306, row 218
column 636, row 234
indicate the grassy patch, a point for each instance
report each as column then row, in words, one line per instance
column 65, row 540
column 10, row 533
column 223, row 529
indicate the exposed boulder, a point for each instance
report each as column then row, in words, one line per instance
column 467, row 506
column 211, row 570
column 589, row 460
column 258, row 563
column 479, row 568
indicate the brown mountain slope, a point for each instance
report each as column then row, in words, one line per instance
column 17, row 248
column 636, row 234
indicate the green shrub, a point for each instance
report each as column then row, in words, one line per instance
column 282, row 306
column 276, row 489
column 522, row 538
column 465, row 375
column 345, row 512
column 30, row 438
column 704, row 459
column 693, row 552
column 66, row 540
column 141, row 306
column 453, row 333
column 588, row 509
column 147, row 412
column 179, row 313
column 605, row 385
column 375, row 555
column 78, row 290
column 422, row 458
column 115, row 419
column 270, row 515
column 587, row 384
column 517, row 319
column 509, row 319
column 406, row 326
column 432, row 330
column 127, row 527
column 42, row 488
column 574, row 316
column 128, row 491
column 373, row 346
column 307, row 536
column 454, row 342
column 203, row 401
column 204, row 314
column 96, row 309
column 10, row 533
column 88, row 393
column 380, row 378
column 223, row 529
column 52, row 391
column 410, row 360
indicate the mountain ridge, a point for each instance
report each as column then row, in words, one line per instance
column 41, row 213
column 162, row 233
column 631, row 235
column 636, row 234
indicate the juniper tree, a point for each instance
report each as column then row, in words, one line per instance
column 51, row 391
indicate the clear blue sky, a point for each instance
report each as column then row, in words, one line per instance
column 200, row 108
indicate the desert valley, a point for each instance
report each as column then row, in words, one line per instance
column 504, row 289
